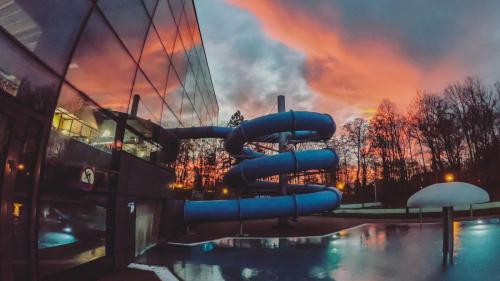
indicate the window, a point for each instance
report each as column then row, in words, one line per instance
column 187, row 111
column 72, row 212
column 130, row 20
column 179, row 59
column 165, row 25
column 101, row 68
column 79, row 119
column 25, row 79
column 138, row 146
column 150, row 103
column 173, row 92
column 168, row 119
column 48, row 28
column 150, row 5
column 176, row 6
column 154, row 60
column 71, row 231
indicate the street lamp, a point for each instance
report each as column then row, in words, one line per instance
column 340, row 185
column 449, row 177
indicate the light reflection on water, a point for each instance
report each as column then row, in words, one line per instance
column 369, row 252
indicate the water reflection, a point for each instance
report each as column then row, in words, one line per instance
column 371, row 252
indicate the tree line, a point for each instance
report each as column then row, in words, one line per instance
column 454, row 134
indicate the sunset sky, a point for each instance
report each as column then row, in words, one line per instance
column 344, row 57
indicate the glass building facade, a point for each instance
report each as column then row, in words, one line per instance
column 84, row 87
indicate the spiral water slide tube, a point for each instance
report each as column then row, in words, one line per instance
column 298, row 126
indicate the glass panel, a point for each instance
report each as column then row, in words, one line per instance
column 101, row 68
column 173, row 93
column 165, row 25
column 197, row 39
column 190, row 84
column 130, row 20
column 48, row 28
column 190, row 14
column 185, row 32
column 150, row 103
column 186, row 112
column 72, row 216
column 150, row 6
column 23, row 78
column 22, row 198
column 71, row 230
column 169, row 120
column 154, row 61
column 176, row 6
column 5, row 124
column 138, row 146
column 179, row 59
column 76, row 118
column 198, row 101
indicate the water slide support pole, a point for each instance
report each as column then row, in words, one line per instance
column 283, row 179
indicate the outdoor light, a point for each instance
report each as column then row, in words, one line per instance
column 17, row 209
column 341, row 185
column 449, row 177
column 20, row 167
column 225, row 191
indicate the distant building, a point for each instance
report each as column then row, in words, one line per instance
column 83, row 186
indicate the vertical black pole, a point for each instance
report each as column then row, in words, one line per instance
column 283, row 179
column 450, row 234
column 135, row 106
column 445, row 235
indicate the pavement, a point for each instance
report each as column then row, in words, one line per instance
column 130, row 274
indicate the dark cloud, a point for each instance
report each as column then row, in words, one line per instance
column 248, row 70
column 344, row 56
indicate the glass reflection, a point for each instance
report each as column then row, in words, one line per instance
column 169, row 119
column 130, row 20
column 187, row 111
column 150, row 103
column 185, row 32
column 179, row 59
column 72, row 231
column 190, row 84
column 154, row 61
column 150, row 6
column 136, row 145
column 47, row 28
column 173, row 92
column 101, row 68
column 23, row 78
column 176, row 6
column 165, row 24
column 76, row 118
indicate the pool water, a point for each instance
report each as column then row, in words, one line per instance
column 368, row 252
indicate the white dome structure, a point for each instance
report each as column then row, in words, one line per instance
column 448, row 194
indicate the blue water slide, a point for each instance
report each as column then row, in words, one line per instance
column 297, row 126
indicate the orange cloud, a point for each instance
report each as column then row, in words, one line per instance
column 359, row 72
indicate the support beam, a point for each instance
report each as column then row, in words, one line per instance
column 447, row 235
column 283, row 179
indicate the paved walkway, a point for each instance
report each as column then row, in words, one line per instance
column 130, row 274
